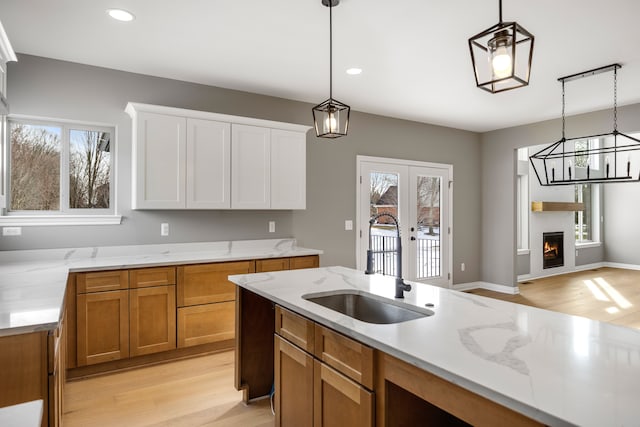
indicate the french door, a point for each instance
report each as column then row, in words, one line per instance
column 418, row 195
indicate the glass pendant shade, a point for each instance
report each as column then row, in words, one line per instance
column 501, row 56
column 331, row 119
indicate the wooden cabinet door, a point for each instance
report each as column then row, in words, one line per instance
column 23, row 369
column 288, row 170
column 208, row 164
column 152, row 322
column 201, row 324
column 339, row 401
column 207, row 283
column 159, row 151
column 250, row 167
column 311, row 261
column 294, row 373
column 272, row 264
column 102, row 327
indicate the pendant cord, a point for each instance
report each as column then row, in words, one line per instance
column 500, row 12
column 563, row 118
column 330, row 50
column 615, row 99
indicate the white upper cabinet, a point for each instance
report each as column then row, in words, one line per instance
column 159, row 161
column 288, row 170
column 251, row 167
column 185, row 159
column 208, row 164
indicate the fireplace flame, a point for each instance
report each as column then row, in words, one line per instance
column 550, row 250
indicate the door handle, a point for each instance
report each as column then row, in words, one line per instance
column 413, row 229
column 413, row 238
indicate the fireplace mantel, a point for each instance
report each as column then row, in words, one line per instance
column 556, row 207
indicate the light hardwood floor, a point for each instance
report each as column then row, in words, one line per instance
column 606, row 294
column 185, row 393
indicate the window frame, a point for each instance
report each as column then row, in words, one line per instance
column 65, row 215
column 522, row 201
column 594, row 208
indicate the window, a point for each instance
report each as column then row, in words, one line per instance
column 586, row 224
column 59, row 169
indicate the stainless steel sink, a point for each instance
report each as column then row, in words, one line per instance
column 367, row 307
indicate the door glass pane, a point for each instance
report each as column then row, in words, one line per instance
column 383, row 199
column 89, row 169
column 35, row 167
column 428, row 237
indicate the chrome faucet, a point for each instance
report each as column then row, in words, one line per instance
column 401, row 286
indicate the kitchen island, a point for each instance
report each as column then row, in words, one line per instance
column 554, row 369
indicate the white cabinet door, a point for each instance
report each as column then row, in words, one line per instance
column 288, row 169
column 159, row 151
column 250, row 167
column 208, row 164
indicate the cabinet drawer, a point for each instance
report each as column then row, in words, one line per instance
column 299, row 262
column 100, row 281
column 272, row 264
column 207, row 283
column 207, row 323
column 295, row 328
column 157, row 276
column 353, row 359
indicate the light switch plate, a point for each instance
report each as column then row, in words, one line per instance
column 11, row 231
column 348, row 225
column 164, row 229
column 272, row 226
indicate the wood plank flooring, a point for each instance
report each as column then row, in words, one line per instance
column 185, row 393
column 606, row 294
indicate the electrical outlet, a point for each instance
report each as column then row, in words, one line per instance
column 272, row 226
column 11, row 231
column 164, row 229
column 348, row 225
column 462, row 267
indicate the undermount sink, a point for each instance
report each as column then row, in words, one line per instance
column 367, row 307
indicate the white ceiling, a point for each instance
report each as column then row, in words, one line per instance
column 414, row 53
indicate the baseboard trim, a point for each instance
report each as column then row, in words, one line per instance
column 584, row 267
column 511, row 290
column 621, row 265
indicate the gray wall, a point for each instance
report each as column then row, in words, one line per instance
column 622, row 244
column 49, row 88
column 498, row 185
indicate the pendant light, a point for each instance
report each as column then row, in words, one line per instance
column 331, row 117
column 501, row 56
column 603, row 158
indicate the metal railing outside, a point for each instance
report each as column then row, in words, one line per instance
column 428, row 256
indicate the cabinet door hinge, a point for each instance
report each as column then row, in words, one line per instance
column 448, row 276
column 361, row 234
column 360, row 179
column 449, row 230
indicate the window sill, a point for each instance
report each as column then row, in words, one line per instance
column 57, row 220
column 524, row 251
column 588, row 245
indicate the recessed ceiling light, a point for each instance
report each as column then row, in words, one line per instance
column 121, row 15
column 354, row 71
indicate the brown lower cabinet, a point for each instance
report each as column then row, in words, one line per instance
column 310, row 392
column 152, row 320
column 206, row 323
column 323, row 378
column 103, row 327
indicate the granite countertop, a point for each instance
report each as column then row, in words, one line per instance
column 33, row 282
column 558, row 369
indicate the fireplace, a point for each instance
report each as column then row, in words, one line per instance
column 553, row 249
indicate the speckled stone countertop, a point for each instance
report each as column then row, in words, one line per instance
column 33, row 282
column 558, row 369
